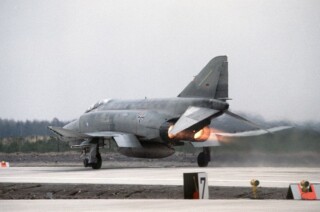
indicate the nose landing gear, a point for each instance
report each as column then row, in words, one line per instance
column 98, row 164
column 93, row 159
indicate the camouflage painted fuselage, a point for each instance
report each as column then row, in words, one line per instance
column 140, row 117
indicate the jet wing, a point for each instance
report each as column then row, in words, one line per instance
column 122, row 139
column 191, row 117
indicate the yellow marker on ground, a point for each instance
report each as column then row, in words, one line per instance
column 254, row 183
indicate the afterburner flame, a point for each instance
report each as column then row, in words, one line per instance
column 214, row 136
column 170, row 135
column 202, row 134
column 198, row 134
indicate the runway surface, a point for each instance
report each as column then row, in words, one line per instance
column 268, row 177
column 158, row 205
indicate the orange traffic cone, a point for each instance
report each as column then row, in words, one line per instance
column 4, row 164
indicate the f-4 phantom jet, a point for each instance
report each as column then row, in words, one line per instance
column 151, row 128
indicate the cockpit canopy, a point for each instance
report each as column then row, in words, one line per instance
column 96, row 105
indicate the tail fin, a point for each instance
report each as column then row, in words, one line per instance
column 211, row 82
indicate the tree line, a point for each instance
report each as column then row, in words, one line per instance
column 12, row 128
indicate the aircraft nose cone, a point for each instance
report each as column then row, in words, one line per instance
column 74, row 125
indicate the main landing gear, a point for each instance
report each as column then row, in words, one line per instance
column 93, row 159
column 204, row 157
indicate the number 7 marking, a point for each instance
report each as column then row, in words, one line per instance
column 203, row 179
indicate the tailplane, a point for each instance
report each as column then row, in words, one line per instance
column 211, row 82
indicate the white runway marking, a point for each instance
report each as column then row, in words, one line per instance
column 158, row 205
column 268, row 177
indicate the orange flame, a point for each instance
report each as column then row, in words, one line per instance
column 202, row 134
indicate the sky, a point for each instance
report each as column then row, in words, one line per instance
column 57, row 57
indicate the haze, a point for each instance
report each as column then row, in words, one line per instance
column 59, row 57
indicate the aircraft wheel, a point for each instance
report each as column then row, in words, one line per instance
column 203, row 160
column 98, row 164
column 86, row 162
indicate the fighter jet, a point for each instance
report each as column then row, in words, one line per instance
column 151, row 128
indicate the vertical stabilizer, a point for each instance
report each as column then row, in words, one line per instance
column 211, row 82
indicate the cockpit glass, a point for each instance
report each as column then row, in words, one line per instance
column 96, row 105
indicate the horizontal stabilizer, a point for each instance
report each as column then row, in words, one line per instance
column 191, row 117
column 252, row 124
column 254, row 132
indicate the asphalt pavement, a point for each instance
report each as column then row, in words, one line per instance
column 268, row 177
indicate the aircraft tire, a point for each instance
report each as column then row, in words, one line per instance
column 98, row 164
column 86, row 162
column 203, row 160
